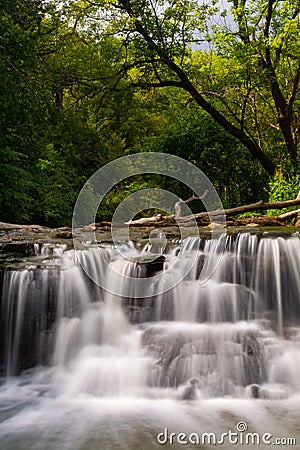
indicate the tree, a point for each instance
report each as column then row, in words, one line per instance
column 197, row 138
column 22, row 108
column 262, row 39
column 266, row 42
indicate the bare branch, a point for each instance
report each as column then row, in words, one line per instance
column 160, row 84
column 289, row 215
column 191, row 199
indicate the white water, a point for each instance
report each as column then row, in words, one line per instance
column 111, row 372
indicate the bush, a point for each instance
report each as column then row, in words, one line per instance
column 283, row 187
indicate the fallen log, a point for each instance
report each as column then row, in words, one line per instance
column 289, row 215
column 251, row 207
column 219, row 215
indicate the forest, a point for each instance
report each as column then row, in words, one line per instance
column 84, row 82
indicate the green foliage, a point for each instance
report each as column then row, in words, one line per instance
column 283, row 187
column 117, row 195
column 237, row 178
column 15, row 187
column 59, row 185
column 23, row 109
column 75, row 93
column 250, row 214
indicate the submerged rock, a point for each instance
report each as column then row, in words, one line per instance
column 267, row 392
column 190, row 392
column 255, row 390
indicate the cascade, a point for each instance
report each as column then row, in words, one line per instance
column 229, row 330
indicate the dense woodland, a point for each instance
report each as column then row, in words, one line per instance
column 84, row 82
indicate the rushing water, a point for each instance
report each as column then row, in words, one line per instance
column 84, row 368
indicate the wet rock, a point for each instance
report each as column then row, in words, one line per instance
column 21, row 248
column 151, row 264
column 156, row 265
column 276, row 234
column 267, row 392
column 34, row 295
column 8, row 226
column 190, row 392
column 255, row 390
column 253, row 358
column 62, row 233
column 200, row 264
column 140, row 315
column 215, row 225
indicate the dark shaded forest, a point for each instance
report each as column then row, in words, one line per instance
column 85, row 82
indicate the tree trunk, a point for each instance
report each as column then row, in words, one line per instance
column 188, row 86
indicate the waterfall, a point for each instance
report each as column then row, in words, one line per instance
column 229, row 329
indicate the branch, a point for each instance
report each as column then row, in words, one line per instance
column 192, row 198
column 247, row 208
column 268, row 18
column 161, row 37
column 283, row 110
column 294, row 90
column 289, row 215
column 157, row 85
column 279, row 49
column 188, row 86
column 246, row 97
